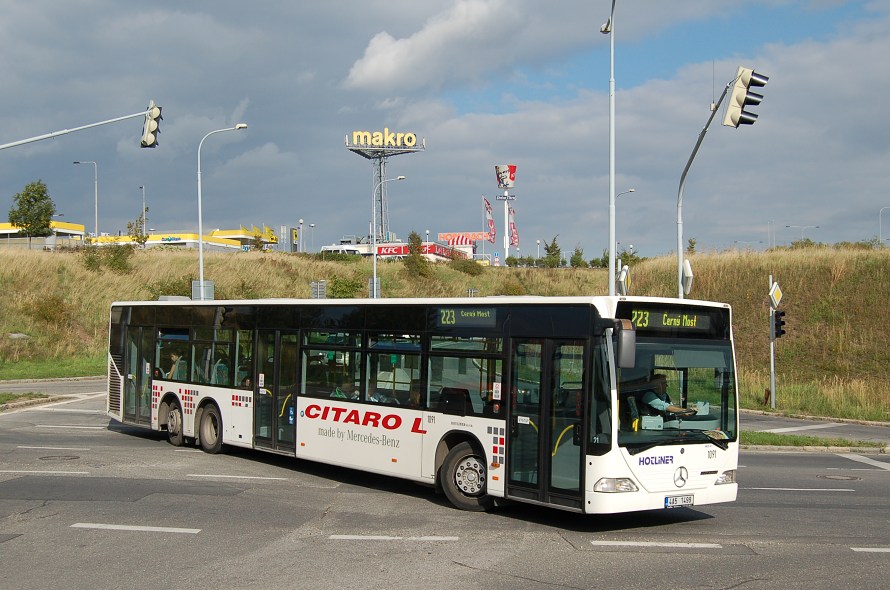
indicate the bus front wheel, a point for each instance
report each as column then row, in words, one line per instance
column 210, row 430
column 464, row 478
column 174, row 425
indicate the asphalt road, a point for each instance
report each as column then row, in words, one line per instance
column 86, row 503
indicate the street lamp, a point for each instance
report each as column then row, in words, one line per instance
column 237, row 127
column 312, row 227
column 803, row 227
column 142, row 188
column 880, row 229
column 300, row 236
column 374, row 230
column 609, row 29
column 538, row 243
column 96, row 185
column 616, row 270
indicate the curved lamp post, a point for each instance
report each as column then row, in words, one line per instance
column 237, row 127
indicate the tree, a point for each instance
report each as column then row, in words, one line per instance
column 136, row 230
column 553, row 254
column 577, row 259
column 690, row 248
column 416, row 263
column 33, row 210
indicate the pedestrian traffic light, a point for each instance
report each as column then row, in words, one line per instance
column 741, row 97
column 778, row 322
column 150, row 130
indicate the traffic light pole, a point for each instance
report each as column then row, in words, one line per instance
column 66, row 131
column 701, row 138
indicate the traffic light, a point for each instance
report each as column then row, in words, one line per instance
column 741, row 97
column 150, row 130
column 778, row 323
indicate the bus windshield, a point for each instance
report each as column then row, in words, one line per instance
column 680, row 390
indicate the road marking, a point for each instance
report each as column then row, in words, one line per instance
column 235, row 476
column 188, row 451
column 796, row 428
column 866, row 460
column 70, row 426
column 871, row 549
column 46, row 472
column 803, row 489
column 388, row 538
column 122, row 527
column 68, row 410
column 651, row 544
column 55, row 448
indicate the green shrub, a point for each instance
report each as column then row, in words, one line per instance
column 466, row 266
column 344, row 288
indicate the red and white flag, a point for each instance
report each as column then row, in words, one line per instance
column 490, row 220
column 514, row 233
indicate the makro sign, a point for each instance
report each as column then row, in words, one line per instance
column 385, row 138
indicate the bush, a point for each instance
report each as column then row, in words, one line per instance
column 343, row 288
column 466, row 266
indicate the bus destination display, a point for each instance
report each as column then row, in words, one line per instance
column 670, row 319
column 466, row 317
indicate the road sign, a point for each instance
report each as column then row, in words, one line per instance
column 775, row 295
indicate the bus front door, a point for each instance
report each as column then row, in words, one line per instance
column 276, row 386
column 137, row 374
column 544, row 453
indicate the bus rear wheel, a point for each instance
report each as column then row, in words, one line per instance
column 210, row 431
column 174, row 425
column 464, row 478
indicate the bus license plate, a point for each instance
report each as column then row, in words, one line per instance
column 678, row 501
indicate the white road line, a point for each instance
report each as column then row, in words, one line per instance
column 796, row 428
column 652, row 544
column 388, row 538
column 35, row 472
column 67, row 410
column 210, row 475
column 188, row 451
column 69, row 426
column 122, row 527
column 55, row 448
column 866, row 460
column 871, row 549
column 803, row 489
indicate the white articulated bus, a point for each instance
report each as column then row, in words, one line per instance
column 546, row 400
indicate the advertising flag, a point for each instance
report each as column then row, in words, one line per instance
column 490, row 220
column 514, row 233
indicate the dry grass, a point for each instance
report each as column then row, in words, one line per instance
column 832, row 360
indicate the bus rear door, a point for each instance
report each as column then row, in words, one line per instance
column 544, row 454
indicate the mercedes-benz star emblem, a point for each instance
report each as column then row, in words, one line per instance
column 681, row 476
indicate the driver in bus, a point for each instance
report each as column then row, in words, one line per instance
column 657, row 398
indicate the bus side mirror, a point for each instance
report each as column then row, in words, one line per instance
column 627, row 344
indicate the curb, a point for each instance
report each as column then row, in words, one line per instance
column 814, row 449
column 32, row 402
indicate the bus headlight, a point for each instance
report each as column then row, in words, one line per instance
column 611, row 485
column 726, row 477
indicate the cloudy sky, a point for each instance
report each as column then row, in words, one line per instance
column 484, row 82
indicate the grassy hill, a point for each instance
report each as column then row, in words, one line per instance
column 832, row 361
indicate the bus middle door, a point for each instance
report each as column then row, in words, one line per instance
column 276, row 387
column 544, row 454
